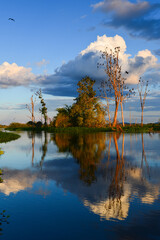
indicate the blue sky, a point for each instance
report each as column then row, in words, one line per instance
column 53, row 44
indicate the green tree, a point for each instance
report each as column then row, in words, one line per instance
column 63, row 117
column 43, row 109
column 87, row 111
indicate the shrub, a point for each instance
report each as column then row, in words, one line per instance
column 17, row 125
column 30, row 123
column 38, row 124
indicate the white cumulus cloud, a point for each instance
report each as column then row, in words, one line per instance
column 14, row 75
column 64, row 81
column 86, row 62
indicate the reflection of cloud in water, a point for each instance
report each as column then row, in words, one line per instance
column 65, row 172
column 146, row 190
column 149, row 198
column 107, row 209
column 96, row 196
column 134, row 186
column 16, row 180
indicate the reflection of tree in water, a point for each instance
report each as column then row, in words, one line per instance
column 116, row 190
column 95, row 157
column 87, row 149
column 31, row 135
column 103, row 162
column 144, row 158
column 43, row 148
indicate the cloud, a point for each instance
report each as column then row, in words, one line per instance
column 122, row 8
column 16, row 180
column 141, row 19
column 14, row 75
column 42, row 63
column 64, row 81
column 138, row 65
column 9, row 106
column 157, row 52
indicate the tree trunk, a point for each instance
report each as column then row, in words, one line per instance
column 115, row 114
column 33, row 141
column 32, row 103
column 122, row 113
column 142, row 118
column 108, row 113
column 122, row 147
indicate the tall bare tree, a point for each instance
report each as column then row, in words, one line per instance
column 124, row 93
column 111, row 84
column 103, row 94
column 30, row 107
column 115, row 84
column 143, row 91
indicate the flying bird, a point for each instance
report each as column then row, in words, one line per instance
column 127, row 72
column 11, row 19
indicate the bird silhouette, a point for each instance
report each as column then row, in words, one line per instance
column 127, row 72
column 11, row 19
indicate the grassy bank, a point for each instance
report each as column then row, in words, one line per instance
column 7, row 137
column 147, row 128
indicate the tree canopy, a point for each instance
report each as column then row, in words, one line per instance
column 87, row 111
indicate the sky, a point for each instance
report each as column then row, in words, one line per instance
column 53, row 44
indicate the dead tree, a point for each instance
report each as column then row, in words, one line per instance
column 115, row 84
column 124, row 93
column 31, row 108
column 143, row 91
column 103, row 94
column 111, row 84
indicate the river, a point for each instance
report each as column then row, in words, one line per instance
column 81, row 186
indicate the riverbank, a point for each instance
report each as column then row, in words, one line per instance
column 134, row 128
column 7, row 137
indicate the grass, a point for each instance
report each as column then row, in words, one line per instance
column 134, row 128
column 7, row 137
column 147, row 128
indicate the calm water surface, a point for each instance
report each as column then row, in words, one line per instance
column 86, row 186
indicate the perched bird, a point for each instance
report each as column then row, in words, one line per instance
column 127, row 72
column 11, row 19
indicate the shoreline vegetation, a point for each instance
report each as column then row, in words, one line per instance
column 7, row 137
column 133, row 128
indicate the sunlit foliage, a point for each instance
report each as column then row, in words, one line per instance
column 86, row 111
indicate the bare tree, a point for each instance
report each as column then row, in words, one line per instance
column 111, row 84
column 114, row 84
column 31, row 108
column 103, row 94
column 143, row 91
column 124, row 93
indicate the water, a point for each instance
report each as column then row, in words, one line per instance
column 86, row 186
